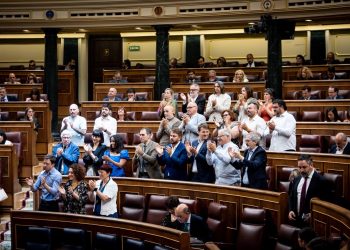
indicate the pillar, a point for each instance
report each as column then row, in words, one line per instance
column 51, row 75
column 162, row 60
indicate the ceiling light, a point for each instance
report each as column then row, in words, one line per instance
column 308, row 20
column 251, row 23
column 26, row 31
column 138, row 28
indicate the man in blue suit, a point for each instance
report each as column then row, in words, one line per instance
column 253, row 163
column 174, row 157
column 66, row 153
column 201, row 171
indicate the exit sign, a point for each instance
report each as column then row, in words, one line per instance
column 134, row 48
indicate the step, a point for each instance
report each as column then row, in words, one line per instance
column 5, row 245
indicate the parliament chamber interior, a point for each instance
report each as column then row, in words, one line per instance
column 126, row 56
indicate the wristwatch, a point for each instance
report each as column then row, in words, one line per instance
column 95, row 189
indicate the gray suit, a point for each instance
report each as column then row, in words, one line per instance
column 148, row 161
column 163, row 134
column 190, row 131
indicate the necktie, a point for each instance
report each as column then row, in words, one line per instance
column 187, row 227
column 303, row 196
column 142, row 161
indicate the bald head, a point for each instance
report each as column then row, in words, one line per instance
column 341, row 140
column 169, row 112
column 73, row 110
column 182, row 212
column 112, row 92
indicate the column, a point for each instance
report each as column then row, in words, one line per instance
column 162, row 60
column 51, row 76
column 274, row 58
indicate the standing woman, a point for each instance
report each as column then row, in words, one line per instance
column 168, row 99
column 229, row 122
column 217, row 102
column 29, row 115
column 94, row 152
column 75, row 191
column 104, row 193
column 265, row 108
column 116, row 157
column 242, row 103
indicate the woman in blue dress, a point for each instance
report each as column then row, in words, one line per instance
column 116, row 156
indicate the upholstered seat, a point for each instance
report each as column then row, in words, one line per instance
column 4, row 116
column 38, row 238
column 253, row 78
column 192, row 204
column 15, row 138
column 73, row 239
column 316, row 94
column 124, row 136
column 44, row 97
column 106, row 242
column 335, row 184
column 251, row 229
column 133, row 244
column 133, row 207
column 283, row 178
column 287, row 238
column 144, row 95
column 216, row 221
column 294, row 113
column 311, row 116
column 150, row 78
column 136, row 139
column 20, row 115
column 345, row 93
column 223, row 78
column 150, row 116
column 157, row 209
column 270, row 173
column 311, row 143
column 292, row 95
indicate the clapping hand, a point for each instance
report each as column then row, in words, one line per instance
column 211, row 146
column 61, row 190
column 159, row 149
column 139, row 150
column 183, row 97
column 234, row 154
column 168, row 149
column 92, row 184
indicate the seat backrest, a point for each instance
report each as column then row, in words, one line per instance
column 294, row 113
column 345, row 93
column 38, row 238
column 20, row 115
column 133, row 244
column 192, row 204
column 335, row 182
column 74, row 238
column 133, row 207
column 270, row 173
column 287, row 237
column 216, row 221
column 251, row 229
column 311, row 116
column 341, row 75
column 253, row 78
column 292, row 95
column 4, row 116
column 106, row 241
column 316, row 94
column 15, row 138
column 150, row 116
column 13, row 95
column 310, row 143
column 44, row 97
column 157, row 209
column 124, row 136
column 131, row 115
column 223, row 78
column 150, row 78
column 144, row 95
column 136, row 139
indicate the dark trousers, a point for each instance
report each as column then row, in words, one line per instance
column 49, row 206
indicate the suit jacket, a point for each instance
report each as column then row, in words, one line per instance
column 116, row 99
column 149, row 160
column 205, row 173
column 317, row 188
column 175, row 165
column 137, row 98
column 337, row 97
column 312, row 97
column 69, row 156
column 11, row 98
column 200, row 101
column 163, row 134
column 199, row 228
column 346, row 150
column 256, row 168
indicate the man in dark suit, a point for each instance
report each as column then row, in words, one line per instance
column 253, row 163
column 193, row 224
column 333, row 93
column 341, row 146
column 193, row 96
column 308, row 185
column 306, row 93
column 201, row 171
column 174, row 157
column 4, row 97
column 131, row 96
column 111, row 96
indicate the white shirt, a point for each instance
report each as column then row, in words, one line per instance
column 78, row 122
column 194, row 165
column 341, row 150
column 190, row 130
column 283, row 136
column 300, row 186
column 223, row 102
column 111, row 190
column 256, row 124
column 108, row 123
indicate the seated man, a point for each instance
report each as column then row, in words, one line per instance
column 112, row 96
column 330, row 74
column 12, row 79
column 212, row 76
column 333, row 93
column 193, row 96
column 306, row 94
column 201, row 62
column 341, row 146
column 4, row 97
column 250, row 61
column 117, row 78
column 131, row 96
column 193, row 224
column 331, row 58
column 66, row 153
column 191, row 77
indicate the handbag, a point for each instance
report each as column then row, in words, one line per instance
column 3, row 195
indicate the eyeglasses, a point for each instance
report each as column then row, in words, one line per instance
column 220, row 136
column 65, row 137
column 225, row 115
column 190, row 107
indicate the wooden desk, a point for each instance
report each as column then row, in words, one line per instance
column 22, row 90
column 42, row 112
column 168, row 237
column 317, row 105
column 9, row 176
column 101, row 89
column 289, row 86
column 28, row 138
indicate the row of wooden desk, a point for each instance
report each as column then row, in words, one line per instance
column 101, row 89
column 179, row 74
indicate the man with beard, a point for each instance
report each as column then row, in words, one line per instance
column 168, row 123
column 145, row 159
column 201, row 171
column 282, row 128
column 191, row 77
column 66, row 153
column 217, row 156
column 193, row 96
column 75, row 124
column 106, row 123
column 308, row 185
column 174, row 157
column 190, row 122
column 252, row 123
